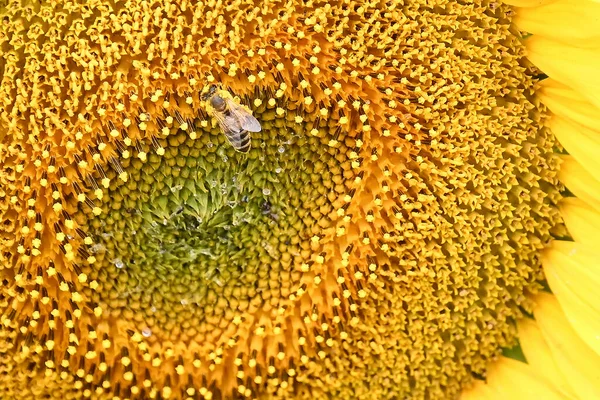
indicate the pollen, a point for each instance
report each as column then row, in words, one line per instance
column 399, row 164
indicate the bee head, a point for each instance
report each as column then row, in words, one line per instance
column 211, row 90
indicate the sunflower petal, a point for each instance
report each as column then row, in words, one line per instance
column 539, row 357
column 527, row 383
column 580, row 182
column 573, row 66
column 573, row 273
column 512, row 379
column 581, row 142
column 582, row 220
column 574, row 22
column 578, row 363
column 565, row 102
column 480, row 390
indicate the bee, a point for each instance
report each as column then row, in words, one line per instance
column 235, row 120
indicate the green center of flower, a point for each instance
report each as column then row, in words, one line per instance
column 203, row 233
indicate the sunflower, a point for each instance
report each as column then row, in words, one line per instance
column 417, row 217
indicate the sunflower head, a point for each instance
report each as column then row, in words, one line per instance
column 377, row 239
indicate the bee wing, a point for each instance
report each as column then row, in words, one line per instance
column 247, row 121
column 233, row 131
column 228, row 124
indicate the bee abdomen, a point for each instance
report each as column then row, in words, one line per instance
column 240, row 141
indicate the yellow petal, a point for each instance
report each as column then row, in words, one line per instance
column 581, row 142
column 515, row 380
column 566, row 102
column 480, row 391
column 518, row 380
column 582, row 220
column 573, row 273
column 578, row 363
column 540, row 358
column 581, row 183
column 576, row 22
column 575, row 67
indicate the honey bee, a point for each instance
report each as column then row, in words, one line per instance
column 235, row 120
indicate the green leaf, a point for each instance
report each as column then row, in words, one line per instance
column 516, row 353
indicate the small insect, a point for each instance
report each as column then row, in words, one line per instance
column 235, row 120
column 267, row 210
